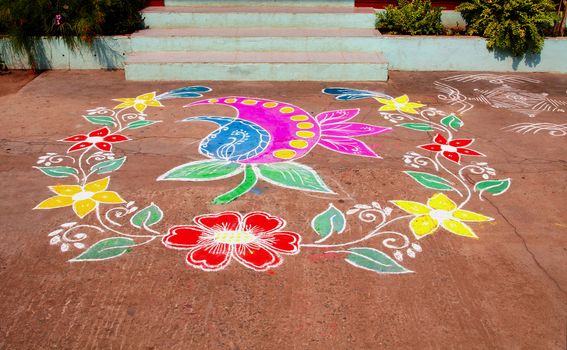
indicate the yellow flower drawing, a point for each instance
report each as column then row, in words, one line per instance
column 401, row 103
column 440, row 210
column 84, row 199
column 140, row 102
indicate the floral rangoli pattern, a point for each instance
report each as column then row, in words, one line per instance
column 264, row 141
column 255, row 240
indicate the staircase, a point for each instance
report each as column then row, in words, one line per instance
column 293, row 40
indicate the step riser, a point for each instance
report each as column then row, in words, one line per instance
column 250, row 20
column 294, row 3
column 256, row 72
column 326, row 44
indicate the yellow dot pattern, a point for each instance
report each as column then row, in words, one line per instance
column 299, row 118
column 284, row 154
column 214, row 100
column 299, row 144
column 249, row 102
column 230, row 100
column 270, row 104
column 287, row 110
column 305, row 134
column 305, row 125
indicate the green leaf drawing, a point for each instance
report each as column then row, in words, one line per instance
column 250, row 180
column 329, row 221
column 496, row 187
column 374, row 260
column 108, row 166
column 100, row 120
column 431, row 181
column 147, row 217
column 106, row 249
column 203, row 170
column 417, row 126
column 58, row 171
column 141, row 123
column 452, row 121
column 293, row 175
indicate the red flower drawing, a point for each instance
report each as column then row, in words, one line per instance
column 453, row 149
column 99, row 138
column 254, row 240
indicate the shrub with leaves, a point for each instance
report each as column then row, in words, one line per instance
column 74, row 21
column 514, row 26
column 417, row 17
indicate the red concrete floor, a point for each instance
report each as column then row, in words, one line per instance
column 481, row 267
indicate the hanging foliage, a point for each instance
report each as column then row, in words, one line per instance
column 76, row 22
column 514, row 26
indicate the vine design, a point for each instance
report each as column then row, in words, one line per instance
column 450, row 175
column 91, row 155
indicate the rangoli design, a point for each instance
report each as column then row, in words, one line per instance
column 505, row 94
column 255, row 240
column 264, row 141
column 551, row 129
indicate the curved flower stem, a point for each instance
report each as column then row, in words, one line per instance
column 85, row 177
column 373, row 233
column 156, row 233
column 143, row 243
column 65, row 234
column 99, row 217
column 338, row 251
column 76, row 178
column 249, row 181
column 435, row 125
column 116, row 117
column 461, row 181
column 462, row 177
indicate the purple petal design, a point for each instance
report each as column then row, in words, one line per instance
column 339, row 116
column 351, row 130
column 348, row 146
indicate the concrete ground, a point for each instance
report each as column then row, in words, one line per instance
column 505, row 290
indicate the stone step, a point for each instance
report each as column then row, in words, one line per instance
column 272, row 3
column 256, row 39
column 254, row 66
column 242, row 17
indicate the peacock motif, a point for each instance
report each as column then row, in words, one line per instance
column 266, row 138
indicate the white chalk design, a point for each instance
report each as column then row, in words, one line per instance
column 504, row 96
column 492, row 78
column 453, row 97
column 534, row 128
column 518, row 100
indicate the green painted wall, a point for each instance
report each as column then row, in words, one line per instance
column 402, row 52
column 105, row 53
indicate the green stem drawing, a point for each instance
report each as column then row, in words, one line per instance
column 250, row 180
column 376, row 232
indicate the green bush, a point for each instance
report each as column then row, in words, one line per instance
column 514, row 26
column 417, row 17
column 75, row 21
